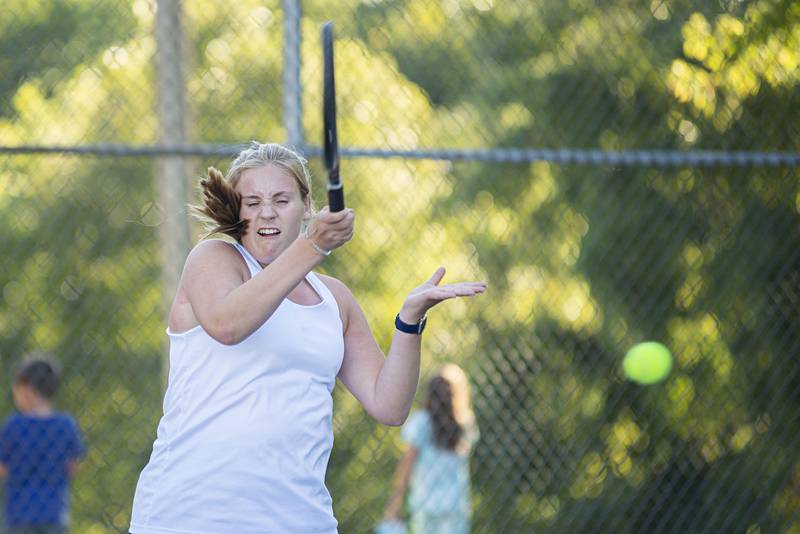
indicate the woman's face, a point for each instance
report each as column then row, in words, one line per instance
column 271, row 201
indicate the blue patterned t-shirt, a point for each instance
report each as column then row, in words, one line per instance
column 36, row 452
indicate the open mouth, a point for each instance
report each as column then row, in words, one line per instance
column 268, row 232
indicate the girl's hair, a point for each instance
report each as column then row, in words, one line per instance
column 222, row 203
column 40, row 372
column 448, row 404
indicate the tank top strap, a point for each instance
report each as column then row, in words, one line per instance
column 251, row 262
column 315, row 281
column 321, row 289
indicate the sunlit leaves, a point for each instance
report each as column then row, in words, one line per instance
column 730, row 56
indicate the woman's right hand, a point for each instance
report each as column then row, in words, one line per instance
column 330, row 230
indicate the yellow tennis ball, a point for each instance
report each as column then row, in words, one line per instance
column 647, row 363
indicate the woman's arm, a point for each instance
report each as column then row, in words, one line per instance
column 385, row 385
column 227, row 305
column 230, row 307
column 401, row 477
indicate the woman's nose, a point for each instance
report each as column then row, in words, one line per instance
column 267, row 210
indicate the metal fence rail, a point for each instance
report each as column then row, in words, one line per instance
column 649, row 158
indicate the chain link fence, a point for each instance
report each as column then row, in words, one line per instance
column 616, row 172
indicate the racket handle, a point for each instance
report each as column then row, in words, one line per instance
column 336, row 197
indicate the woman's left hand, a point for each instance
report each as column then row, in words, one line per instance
column 429, row 294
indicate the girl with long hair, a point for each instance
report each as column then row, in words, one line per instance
column 435, row 467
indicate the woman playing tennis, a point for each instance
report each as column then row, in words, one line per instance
column 257, row 340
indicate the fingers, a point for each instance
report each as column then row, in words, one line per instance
column 429, row 295
column 330, row 230
column 458, row 291
column 338, row 220
column 334, row 217
column 473, row 287
column 437, row 276
column 436, row 294
column 463, row 289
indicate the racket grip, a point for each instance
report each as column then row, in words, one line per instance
column 336, row 197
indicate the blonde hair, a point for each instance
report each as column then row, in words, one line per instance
column 222, row 203
column 262, row 154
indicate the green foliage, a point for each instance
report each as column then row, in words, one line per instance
column 44, row 41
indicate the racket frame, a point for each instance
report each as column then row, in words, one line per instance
column 330, row 141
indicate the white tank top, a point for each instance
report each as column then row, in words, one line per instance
column 246, row 434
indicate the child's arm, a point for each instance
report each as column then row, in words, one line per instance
column 401, row 478
column 76, row 450
column 72, row 467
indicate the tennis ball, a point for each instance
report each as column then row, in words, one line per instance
column 647, row 363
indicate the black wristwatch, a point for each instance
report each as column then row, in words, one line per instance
column 410, row 328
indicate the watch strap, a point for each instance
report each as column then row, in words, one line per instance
column 410, row 328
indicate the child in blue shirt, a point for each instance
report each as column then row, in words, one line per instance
column 435, row 467
column 39, row 451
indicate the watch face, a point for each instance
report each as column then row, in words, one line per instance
column 422, row 323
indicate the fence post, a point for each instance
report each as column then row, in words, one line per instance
column 171, row 179
column 292, row 90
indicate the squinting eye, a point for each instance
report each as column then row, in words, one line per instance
column 283, row 202
column 252, row 204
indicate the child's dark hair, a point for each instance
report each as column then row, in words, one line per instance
column 41, row 373
column 446, row 430
column 447, row 404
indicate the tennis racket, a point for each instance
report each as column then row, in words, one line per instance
column 335, row 189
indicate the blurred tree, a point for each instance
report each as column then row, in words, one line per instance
column 587, row 261
column 78, row 276
column 44, row 41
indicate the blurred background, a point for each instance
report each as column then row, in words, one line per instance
column 617, row 171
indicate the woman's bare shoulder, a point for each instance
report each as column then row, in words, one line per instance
column 337, row 287
column 213, row 247
column 215, row 256
column 348, row 306
column 214, row 250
